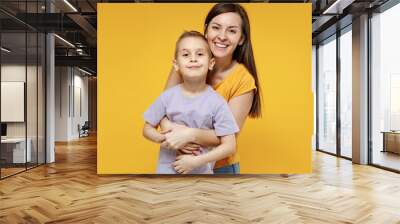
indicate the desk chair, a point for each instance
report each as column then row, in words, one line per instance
column 84, row 130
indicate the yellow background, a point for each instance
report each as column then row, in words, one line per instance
column 135, row 51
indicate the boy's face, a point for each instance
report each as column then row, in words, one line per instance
column 193, row 59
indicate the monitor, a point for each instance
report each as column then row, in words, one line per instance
column 3, row 129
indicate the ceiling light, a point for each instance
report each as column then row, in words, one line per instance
column 70, row 5
column 84, row 71
column 338, row 6
column 64, row 40
column 5, row 50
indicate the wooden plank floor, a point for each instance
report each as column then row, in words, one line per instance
column 70, row 191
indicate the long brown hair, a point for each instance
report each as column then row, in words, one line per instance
column 243, row 53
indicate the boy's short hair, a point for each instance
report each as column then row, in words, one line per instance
column 192, row 33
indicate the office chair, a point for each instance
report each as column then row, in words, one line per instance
column 84, row 130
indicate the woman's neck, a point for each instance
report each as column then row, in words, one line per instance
column 223, row 64
column 221, row 69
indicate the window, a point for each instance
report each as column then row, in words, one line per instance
column 385, row 86
column 327, row 95
column 346, row 93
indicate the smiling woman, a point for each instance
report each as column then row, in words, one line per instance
column 227, row 30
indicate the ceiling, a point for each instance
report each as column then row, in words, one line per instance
column 77, row 23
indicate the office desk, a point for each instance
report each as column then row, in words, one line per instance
column 13, row 150
column 391, row 141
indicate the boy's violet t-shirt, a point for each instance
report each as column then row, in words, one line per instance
column 208, row 110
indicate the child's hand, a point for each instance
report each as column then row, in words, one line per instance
column 160, row 139
column 186, row 163
column 165, row 125
column 191, row 148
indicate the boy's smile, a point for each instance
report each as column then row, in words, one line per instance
column 194, row 66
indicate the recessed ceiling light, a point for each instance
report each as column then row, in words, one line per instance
column 64, row 40
column 338, row 6
column 84, row 71
column 5, row 50
column 71, row 6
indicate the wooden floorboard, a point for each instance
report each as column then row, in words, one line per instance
column 70, row 191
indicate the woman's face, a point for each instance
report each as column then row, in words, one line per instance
column 224, row 34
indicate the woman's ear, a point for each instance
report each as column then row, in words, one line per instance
column 176, row 67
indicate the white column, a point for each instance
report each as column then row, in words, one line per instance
column 360, row 90
column 50, row 92
column 50, row 100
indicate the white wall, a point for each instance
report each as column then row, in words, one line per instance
column 16, row 73
column 12, row 101
column 71, row 87
column 62, row 80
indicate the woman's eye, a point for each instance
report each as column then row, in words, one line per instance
column 233, row 31
column 215, row 27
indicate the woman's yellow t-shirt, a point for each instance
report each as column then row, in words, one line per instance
column 238, row 82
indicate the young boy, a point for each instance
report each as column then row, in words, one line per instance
column 194, row 104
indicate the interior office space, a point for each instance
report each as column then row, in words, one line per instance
column 32, row 95
column 48, row 93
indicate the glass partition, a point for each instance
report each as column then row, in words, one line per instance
column 32, row 85
column 32, row 95
column 327, row 95
column 14, row 152
column 41, row 86
column 22, row 88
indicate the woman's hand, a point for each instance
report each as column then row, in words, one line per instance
column 174, row 131
column 178, row 137
column 191, row 148
column 186, row 163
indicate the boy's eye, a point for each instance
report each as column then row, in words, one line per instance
column 200, row 54
column 185, row 54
